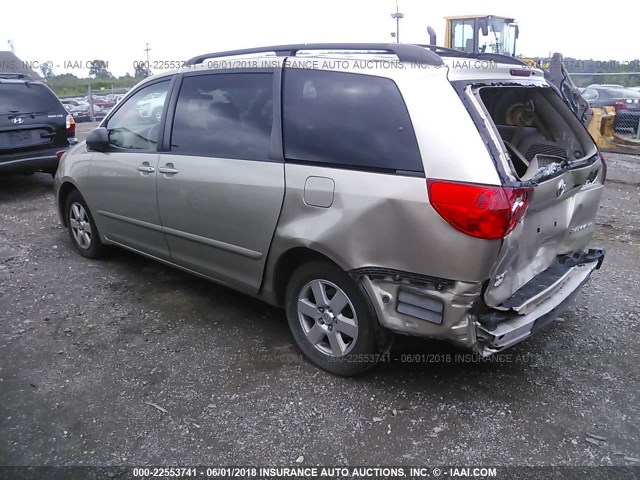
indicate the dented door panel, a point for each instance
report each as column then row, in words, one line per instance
column 378, row 220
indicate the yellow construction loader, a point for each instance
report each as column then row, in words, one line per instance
column 492, row 37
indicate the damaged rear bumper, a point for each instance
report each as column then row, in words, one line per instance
column 537, row 303
column 423, row 306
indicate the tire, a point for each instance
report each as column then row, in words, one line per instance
column 78, row 218
column 342, row 343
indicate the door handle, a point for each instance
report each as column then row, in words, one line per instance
column 168, row 169
column 146, row 168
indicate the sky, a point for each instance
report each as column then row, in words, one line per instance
column 116, row 31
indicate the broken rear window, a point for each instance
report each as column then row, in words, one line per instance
column 536, row 127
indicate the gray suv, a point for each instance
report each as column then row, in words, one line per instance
column 369, row 189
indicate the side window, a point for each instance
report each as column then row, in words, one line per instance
column 227, row 115
column 136, row 124
column 462, row 33
column 347, row 119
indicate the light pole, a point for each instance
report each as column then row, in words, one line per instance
column 397, row 16
column 148, row 69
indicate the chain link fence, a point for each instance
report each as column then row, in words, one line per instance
column 627, row 123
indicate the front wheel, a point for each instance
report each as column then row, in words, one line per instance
column 330, row 319
column 82, row 228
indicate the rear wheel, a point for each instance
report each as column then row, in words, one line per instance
column 330, row 319
column 82, row 228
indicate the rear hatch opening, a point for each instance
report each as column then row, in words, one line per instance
column 541, row 146
column 539, row 133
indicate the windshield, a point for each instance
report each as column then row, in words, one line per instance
column 27, row 98
column 500, row 38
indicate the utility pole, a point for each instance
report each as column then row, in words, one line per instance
column 397, row 16
column 90, row 98
column 147, row 49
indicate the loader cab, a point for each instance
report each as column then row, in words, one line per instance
column 482, row 34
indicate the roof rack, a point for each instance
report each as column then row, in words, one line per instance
column 8, row 75
column 404, row 52
column 444, row 51
column 492, row 57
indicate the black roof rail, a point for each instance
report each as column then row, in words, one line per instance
column 501, row 58
column 444, row 51
column 404, row 52
column 492, row 57
column 8, row 75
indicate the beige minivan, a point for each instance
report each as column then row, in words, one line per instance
column 369, row 189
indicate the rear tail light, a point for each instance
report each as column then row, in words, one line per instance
column 619, row 105
column 71, row 126
column 481, row 211
column 60, row 154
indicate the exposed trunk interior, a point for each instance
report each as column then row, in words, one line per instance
column 550, row 151
column 538, row 130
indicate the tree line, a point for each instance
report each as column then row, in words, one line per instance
column 98, row 76
column 67, row 84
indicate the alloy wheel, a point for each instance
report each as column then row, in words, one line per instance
column 328, row 318
column 80, row 225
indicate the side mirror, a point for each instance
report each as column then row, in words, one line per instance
column 98, row 139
